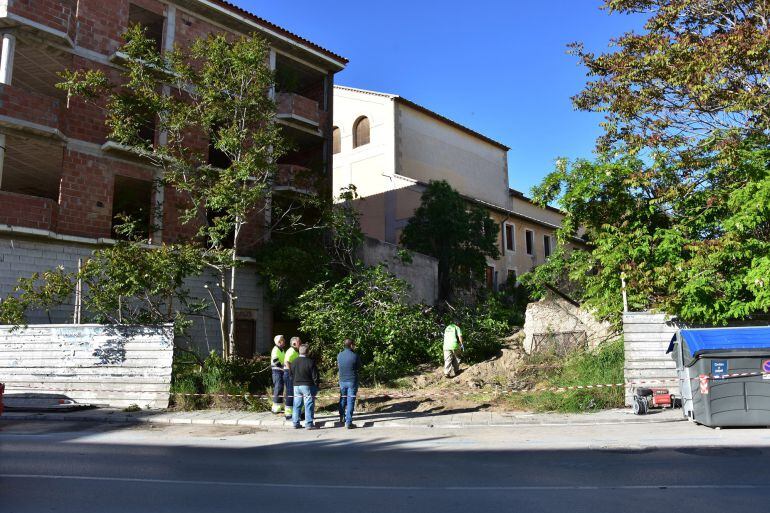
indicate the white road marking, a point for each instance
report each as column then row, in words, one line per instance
column 391, row 488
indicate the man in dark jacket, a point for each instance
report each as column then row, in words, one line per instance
column 349, row 363
column 306, row 379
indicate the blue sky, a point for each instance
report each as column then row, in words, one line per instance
column 498, row 67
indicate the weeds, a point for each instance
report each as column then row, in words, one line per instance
column 219, row 378
column 600, row 366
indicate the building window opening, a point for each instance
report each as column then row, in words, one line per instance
column 530, row 241
column 361, row 132
column 31, row 167
column 151, row 23
column 294, row 78
column 131, row 206
column 510, row 244
column 336, row 140
column 217, row 157
column 547, row 245
column 490, row 278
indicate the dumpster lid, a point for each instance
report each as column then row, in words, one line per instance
column 705, row 340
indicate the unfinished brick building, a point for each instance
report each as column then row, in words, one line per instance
column 62, row 182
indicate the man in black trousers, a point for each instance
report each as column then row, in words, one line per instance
column 306, row 379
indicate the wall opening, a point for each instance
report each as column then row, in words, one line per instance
column 151, row 23
column 131, row 201
column 32, row 166
column 530, row 242
column 361, row 135
column 510, row 244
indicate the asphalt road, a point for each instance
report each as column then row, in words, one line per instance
column 60, row 467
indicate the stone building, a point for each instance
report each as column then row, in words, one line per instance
column 390, row 148
column 62, row 181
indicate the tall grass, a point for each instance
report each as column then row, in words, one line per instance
column 219, row 378
column 601, row 366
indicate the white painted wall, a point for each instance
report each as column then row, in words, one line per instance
column 91, row 364
column 428, row 149
column 363, row 166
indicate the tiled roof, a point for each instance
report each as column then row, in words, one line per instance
column 272, row 26
column 429, row 112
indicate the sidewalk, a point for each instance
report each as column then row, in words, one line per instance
column 365, row 420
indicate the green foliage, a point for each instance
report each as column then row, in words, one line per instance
column 370, row 306
column 677, row 200
column 326, row 252
column 483, row 324
column 127, row 283
column 393, row 336
column 460, row 235
column 41, row 291
column 601, row 366
column 217, row 376
column 217, row 89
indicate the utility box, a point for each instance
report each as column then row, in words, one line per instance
column 724, row 375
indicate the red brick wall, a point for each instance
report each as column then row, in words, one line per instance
column 85, row 197
column 30, row 106
column 57, row 14
column 27, row 211
column 87, row 181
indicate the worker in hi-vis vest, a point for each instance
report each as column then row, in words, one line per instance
column 291, row 354
column 453, row 343
column 277, row 359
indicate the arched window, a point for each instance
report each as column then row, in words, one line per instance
column 361, row 132
column 336, row 142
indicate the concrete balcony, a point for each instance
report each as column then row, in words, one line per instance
column 298, row 110
column 53, row 20
column 27, row 211
column 293, row 178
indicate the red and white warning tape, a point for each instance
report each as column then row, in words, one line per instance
column 10, row 388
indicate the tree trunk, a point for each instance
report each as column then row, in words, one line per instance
column 223, row 315
column 232, row 298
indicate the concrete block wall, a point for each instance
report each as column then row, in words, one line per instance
column 421, row 273
column 20, row 256
column 91, row 364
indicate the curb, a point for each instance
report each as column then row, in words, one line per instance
column 423, row 423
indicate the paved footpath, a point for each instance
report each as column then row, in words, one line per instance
column 364, row 420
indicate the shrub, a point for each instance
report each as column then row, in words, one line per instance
column 483, row 324
column 218, row 376
column 371, row 307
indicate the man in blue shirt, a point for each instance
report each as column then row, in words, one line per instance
column 349, row 363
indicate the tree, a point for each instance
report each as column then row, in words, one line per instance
column 460, row 235
column 214, row 92
column 677, row 201
column 122, row 284
column 371, row 307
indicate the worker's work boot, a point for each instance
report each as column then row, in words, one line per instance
column 288, row 412
column 277, row 408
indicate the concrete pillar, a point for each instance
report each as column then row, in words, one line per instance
column 2, row 157
column 272, row 68
column 168, row 40
column 6, row 58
